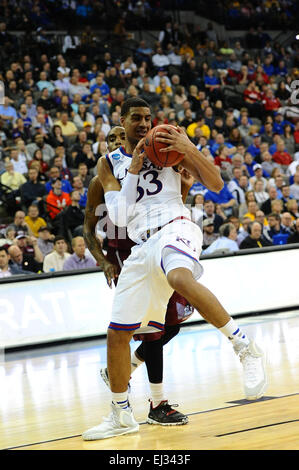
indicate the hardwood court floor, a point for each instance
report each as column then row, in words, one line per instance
column 50, row 396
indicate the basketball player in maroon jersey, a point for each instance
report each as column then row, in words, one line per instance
column 119, row 247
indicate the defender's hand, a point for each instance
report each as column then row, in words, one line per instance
column 110, row 271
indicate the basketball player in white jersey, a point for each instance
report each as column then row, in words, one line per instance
column 147, row 200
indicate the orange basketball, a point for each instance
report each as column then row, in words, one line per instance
column 152, row 149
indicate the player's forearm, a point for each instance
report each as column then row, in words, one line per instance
column 202, row 169
column 94, row 245
column 120, row 204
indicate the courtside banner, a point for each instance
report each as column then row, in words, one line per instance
column 65, row 306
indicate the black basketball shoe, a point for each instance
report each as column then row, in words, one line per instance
column 165, row 415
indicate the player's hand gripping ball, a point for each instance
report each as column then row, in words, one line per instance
column 152, row 148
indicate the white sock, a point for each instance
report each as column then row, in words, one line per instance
column 157, row 394
column 135, row 362
column 232, row 331
column 120, row 399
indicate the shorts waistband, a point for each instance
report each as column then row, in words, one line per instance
column 146, row 235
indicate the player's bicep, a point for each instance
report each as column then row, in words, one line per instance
column 107, row 179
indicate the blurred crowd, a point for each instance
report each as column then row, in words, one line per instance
column 237, row 101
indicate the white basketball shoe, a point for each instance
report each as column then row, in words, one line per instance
column 120, row 421
column 252, row 359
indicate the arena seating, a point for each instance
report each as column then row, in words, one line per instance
column 236, row 97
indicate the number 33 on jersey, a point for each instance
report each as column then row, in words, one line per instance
column 159, row 193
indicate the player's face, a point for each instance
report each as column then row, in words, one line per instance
column 137, row 123
column 116, row 138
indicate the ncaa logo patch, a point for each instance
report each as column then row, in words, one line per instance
column 116, row 156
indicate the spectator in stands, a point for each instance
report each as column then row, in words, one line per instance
column 224, row 162
column 270, row 102
column 45, row 240
column 294, row 188
column 281, row 156
column 197, row 209
column 267, row 162
column 11, row 178
column 226, row 241
column 84, row 175
column 292, row 207
column 33, row 192
column 255, row 239
column 24, row 263
column 86, row 156
column 242, row 232
column 57, row 200
column 255, row 148
column 288, row 139
column 8, row 112
column 61, row 161
column 266, row 206
column 39, row 143
column 160, row 59
column 54, row 261
column 224, row 198
column 275, row 226
column 259, row 193
column 42, row 165
column 209, row 236
column 287, row 222
column 74, row 215
column 7, row 269
column 19, row 224
column 56, row 138
column 79, row 259
column 10, row 235
column 294, row 238
column 33, row 220
column 258, row 176
column 55, row 173
column 19, row 161
column 252, row 207
column 28, row 245
column 285, row 194
column 210, row 213
column 68, row 128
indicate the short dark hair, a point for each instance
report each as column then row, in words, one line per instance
column 58, row 238
column 4, row 248
column 133, row 103
column 274, row 215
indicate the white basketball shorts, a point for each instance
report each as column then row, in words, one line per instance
column 142, row 292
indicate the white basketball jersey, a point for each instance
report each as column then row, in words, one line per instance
column 159, row 197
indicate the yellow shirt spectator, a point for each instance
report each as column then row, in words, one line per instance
column 204, row 128
column 185, row 49
column 33, row 220
column 68, row 128
column 12, row 178
column 35, row 225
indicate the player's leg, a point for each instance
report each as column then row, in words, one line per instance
column 121, row 419
column 151, row 352
column 127, row 314
column 204, row 301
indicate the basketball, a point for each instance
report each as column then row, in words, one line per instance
column 152, row 149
